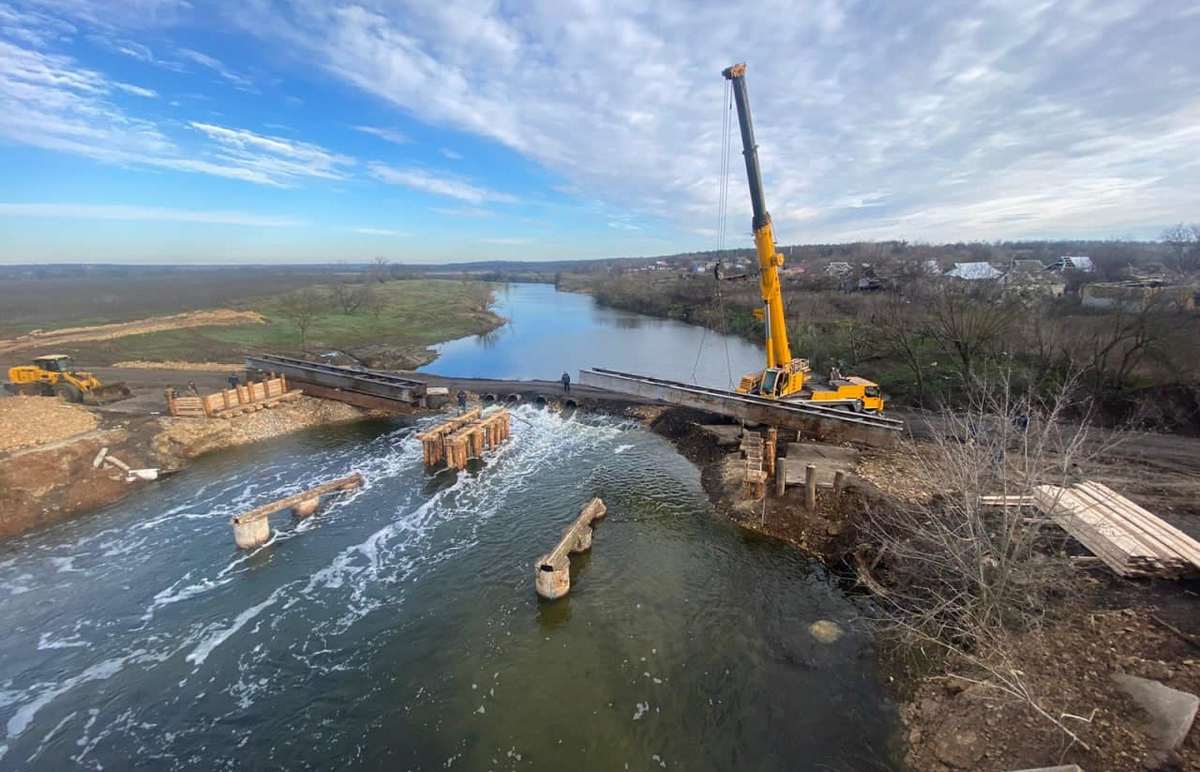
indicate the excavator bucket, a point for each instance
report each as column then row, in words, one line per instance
column 111, row 392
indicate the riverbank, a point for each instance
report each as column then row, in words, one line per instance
column 958, row 712
column 55, row 481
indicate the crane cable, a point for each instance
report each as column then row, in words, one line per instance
column 723, row 214
column 722, row 229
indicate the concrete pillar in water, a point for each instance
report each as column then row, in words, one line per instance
column 552, row 580
column 251, row 532
column 306, row 507
column 583, row 539
column 810, row 487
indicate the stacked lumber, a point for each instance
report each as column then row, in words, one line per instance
column 245, row 398
column 1129, row 539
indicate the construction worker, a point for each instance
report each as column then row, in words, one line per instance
column 462, row 401
column 233, row 380
column 566, row 382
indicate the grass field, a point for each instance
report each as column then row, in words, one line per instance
column 406, row 317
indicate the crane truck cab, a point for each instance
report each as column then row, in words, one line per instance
column 853, row 393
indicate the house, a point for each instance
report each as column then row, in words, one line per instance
column 1136, row 295
column 931, row 267
column 838, row 268
column 974, row 271
column 1025, row 267
column 1081, row 263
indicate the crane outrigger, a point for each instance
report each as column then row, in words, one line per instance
column 785, row 376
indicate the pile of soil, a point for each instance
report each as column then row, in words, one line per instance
column 184, row 438
column 140, row 364
column 33, row 421
column 1115, row 627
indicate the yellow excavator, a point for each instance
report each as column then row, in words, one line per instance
column 53, row 375
column 784, row 377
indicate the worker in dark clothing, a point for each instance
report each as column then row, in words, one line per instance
column 566, row 382
column 233, row 380
column 192, row 389
column 462, row 400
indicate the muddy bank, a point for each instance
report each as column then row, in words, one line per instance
column 957, row 716
column 56, row 481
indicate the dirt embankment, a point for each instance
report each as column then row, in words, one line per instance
column 30, row 421
column 56, row 480
column 50, row 338
column 1096, row 625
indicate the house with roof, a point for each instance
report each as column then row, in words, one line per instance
column 980, row 271
column 838, row 268
column 1081, row 263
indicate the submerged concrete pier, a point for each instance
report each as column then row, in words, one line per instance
column 253, row 529
column 552, row 571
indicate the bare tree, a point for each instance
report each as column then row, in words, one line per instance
column 350, row 296
column 968, row 321
column 301, row 308
column 963, row 578
column 1184, row 241
column 379, row 270
column 902, row 327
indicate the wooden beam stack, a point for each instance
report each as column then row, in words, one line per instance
column 464, row 437
column 245, row 398
column 1130, row 540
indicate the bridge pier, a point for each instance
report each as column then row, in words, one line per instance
column 552, row 571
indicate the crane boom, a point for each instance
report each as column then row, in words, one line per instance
column 784, row 377
column 779, row 354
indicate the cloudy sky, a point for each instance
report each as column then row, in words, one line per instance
column 255, row 130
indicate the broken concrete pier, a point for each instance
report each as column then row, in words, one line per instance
column 552, row 571
column 253, row 529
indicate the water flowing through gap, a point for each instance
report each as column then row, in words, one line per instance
column 398, row 628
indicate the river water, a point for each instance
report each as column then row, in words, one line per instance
column 549, row 332
column 398, row 628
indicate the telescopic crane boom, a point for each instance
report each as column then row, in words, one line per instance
column 784, row 376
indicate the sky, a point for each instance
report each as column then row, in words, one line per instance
column 261, row 131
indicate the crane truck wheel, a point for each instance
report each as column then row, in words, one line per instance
column 856, row 406
column 68, row 392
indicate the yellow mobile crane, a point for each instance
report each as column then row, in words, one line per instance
column 784, row 377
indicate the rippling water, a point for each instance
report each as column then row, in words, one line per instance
column 398, row 628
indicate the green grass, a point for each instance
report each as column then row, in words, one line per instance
column 413, row 314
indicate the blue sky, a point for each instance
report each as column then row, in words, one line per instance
column 263, row 131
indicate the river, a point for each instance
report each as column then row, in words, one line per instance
column 549, row 332
column 398, row 628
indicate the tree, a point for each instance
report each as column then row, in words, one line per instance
column 350, row 297
column 301, row 308
column 1184, row 241
column 968, row 322
column 379, row 270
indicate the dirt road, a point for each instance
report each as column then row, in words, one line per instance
column 47, row 339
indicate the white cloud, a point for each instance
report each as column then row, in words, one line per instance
column 144, row 213
column 204, row 60
column 379, row 232
column 934, row 103
column 453, row 155
column 279, row 160
column 48, row 101
column 439, row 184
column 129, row 88
column 388, row 135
